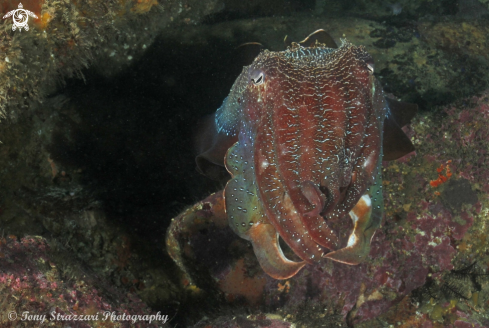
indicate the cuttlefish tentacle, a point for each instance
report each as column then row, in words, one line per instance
column 266, row 246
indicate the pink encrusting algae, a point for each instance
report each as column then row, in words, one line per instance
column 31, row 282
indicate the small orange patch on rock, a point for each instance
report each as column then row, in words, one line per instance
column 284, row 287
column 143, row 6
column 236, row 283
column 45, row 19
column 442, row 178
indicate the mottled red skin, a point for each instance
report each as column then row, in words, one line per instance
column 308, row 123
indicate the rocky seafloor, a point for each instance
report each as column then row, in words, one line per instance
column 93, row 169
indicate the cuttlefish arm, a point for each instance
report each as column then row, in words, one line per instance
column 247, row 217
column 366, row 216
column 265, row 240
column 358, row 245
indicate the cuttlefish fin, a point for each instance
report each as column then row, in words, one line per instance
column 403, row 112
column 212, row 147
column 396, row 144
column 265, row 242
column 212, row 144
column 358, row 246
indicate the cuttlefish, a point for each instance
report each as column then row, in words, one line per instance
column 303, row 133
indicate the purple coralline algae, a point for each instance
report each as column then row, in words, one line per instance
column 35, row 290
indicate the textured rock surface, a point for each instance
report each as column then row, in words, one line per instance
column 34, row 289
column 70, row 36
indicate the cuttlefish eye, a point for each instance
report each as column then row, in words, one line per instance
column 257, row 77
